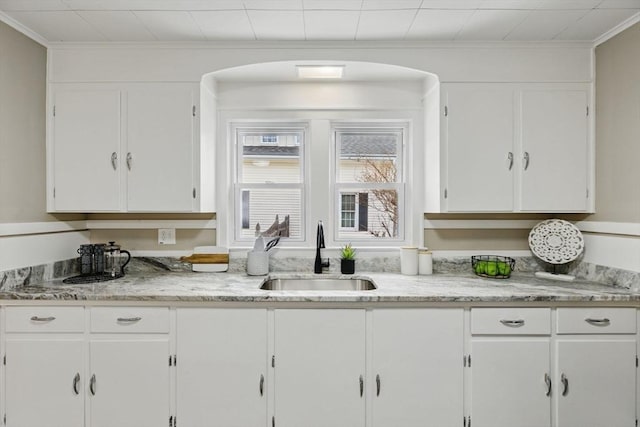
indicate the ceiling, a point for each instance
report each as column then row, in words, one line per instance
column 310, row 20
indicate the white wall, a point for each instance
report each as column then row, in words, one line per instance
column 486, row 62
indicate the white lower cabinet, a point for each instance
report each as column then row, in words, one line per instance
column 222, row 369
column 596, row 368
column 129, row 366
column 44, row 359
column 44, row 382
column 59, row 374
column 508, row 387
column 417, row 375
column 319, row 368
column 129, row 383
column 510, row 367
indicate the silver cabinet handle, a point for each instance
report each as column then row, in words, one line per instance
column 512, row 323
column 76, row 381
column 129, row 319
column 598, row 322
column 361, row 386
column 510, row 158
column 547, row 380
column 526, row 160
column 261, row 385
column 114, row 160
column 565, row 384
column 378, row 385
column 43, row 319
column 129, row 160
column 92, row 385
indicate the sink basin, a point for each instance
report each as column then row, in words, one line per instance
column 318, row 284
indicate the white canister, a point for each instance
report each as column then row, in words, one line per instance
column 409, row 261
column 257, row 263
column 425, row 262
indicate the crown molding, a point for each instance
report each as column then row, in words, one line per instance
column 23, row 29
column 617, row 30
column 342, row 44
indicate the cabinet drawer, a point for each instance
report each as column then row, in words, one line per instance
column 153, row 320
column 596, row 321
column 45, row 319
column 511, row 321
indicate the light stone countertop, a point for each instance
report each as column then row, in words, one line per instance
column 175, row 287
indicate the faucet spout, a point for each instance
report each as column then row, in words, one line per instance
column 319, row 264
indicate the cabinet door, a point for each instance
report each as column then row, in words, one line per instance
column 130, row 383
column 159, row 159
column 479, row 148
column 319, row 368
column 223, row 367
column 596, row 383
column 417, row 371
column 508, row 382
column 44, row 382
column 86, row 150
column 554, row 150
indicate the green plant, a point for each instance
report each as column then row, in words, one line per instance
column 348, row 252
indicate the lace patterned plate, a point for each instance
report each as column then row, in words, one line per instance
column 556, row 241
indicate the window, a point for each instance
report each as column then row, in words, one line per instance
column 348, row 211
column 369, row 187
column 269, row 181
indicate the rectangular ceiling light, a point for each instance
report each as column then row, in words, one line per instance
column 320, row 71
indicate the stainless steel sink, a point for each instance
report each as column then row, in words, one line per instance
column 318, row 284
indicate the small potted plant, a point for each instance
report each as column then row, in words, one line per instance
column 348, row 259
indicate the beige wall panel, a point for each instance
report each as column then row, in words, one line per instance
column 23, row 66
column 147, row 240
column 481, row 240
column 618, row 128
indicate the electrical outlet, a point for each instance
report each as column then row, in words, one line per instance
column 166, row 236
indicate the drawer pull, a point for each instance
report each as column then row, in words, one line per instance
column 378, row 385
column 547, row 380
column 43, row 319
column 361, row 385
column 598, row 322
column 512, row 323
column 129, row 319
column 76, row 381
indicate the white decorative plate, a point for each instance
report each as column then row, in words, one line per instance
column 556, row 241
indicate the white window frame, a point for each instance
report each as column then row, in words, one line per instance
column 235, row 217
column 403, row 128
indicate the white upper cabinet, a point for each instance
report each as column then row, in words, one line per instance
column 554, row 145
column 160, row 145
column 508, row 147
column 478, row 128
column 127, row 148
column 85, row 156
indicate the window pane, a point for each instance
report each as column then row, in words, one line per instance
column 368, row 156
column 375, row 215
column 265, row 205
column 270, row 157
column 348, row 211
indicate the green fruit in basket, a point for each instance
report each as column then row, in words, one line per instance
column 504, row 269
column 481, row 267
column 492, row 268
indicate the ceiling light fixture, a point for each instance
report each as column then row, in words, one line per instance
column 320, row 71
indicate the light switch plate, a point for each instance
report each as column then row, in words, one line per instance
column 166, row 236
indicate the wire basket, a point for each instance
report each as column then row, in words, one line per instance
column 493, row 266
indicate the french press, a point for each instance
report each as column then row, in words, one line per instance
column 114, row 260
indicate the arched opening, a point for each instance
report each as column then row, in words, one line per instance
column 371, row 102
